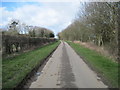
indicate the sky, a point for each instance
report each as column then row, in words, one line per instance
column 53, row 15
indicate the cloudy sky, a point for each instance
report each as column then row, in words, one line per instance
column 49, row 14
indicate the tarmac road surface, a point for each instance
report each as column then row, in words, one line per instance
column 65, row 69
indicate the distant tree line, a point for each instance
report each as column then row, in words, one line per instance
column 96, row 22
column 15, row 27
column 18, row 36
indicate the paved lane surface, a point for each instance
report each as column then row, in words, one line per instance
column 65, row 69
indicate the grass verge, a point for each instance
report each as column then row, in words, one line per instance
column 103, row 65
column 15, row 69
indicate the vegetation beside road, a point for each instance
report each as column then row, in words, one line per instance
column 15, row 69
column 93, row 25
column 105, row 67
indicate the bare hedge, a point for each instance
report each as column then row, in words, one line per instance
column 12, row 44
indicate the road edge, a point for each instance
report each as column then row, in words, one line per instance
column 34, row 70
column 99, row 74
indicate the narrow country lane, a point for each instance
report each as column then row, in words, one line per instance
column 65, row 69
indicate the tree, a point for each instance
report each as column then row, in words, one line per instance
column 51, row 35
column 13, row 27
column 96, row 22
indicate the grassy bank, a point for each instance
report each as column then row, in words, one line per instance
column 15, row 69
column 105, row 66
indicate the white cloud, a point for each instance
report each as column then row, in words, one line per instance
column 41, row 0
column 54, row 16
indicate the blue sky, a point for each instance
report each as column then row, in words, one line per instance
column 52, row 15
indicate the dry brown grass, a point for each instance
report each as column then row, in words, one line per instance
column 98, row 49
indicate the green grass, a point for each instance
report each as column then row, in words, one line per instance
column 105, row 66
column 15, row 69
